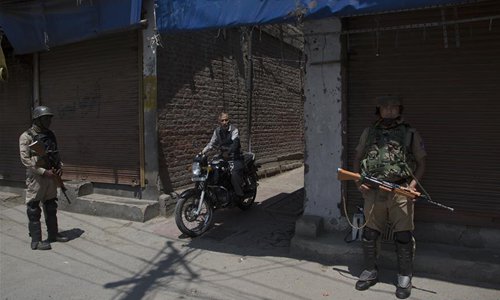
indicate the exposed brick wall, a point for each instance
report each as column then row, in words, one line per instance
column 201, row 74
column 277, row 116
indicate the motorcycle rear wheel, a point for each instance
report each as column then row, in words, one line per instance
column 186, row 219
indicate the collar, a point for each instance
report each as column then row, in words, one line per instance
column 36, row 128
column 229, row 128
column 399, row 121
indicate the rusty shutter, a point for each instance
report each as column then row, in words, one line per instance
column 450, row 80
column 15, row 117
column 93, row 88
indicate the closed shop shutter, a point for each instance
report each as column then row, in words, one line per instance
column 15, row 117
column 449, row 78
column 93, row 88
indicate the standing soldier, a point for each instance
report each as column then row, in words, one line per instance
column 41, row 174
column 392, row 151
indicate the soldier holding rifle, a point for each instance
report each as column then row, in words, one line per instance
column 392, row 151
column 43, row 175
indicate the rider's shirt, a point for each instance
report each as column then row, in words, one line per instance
column 229, row 139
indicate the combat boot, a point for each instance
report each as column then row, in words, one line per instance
column 57, row 238
column 405, row 266
column 369, row 276
column 403, row 289
column 40, row 245
column 367, row 279
column 51, row 222
column 35, row 228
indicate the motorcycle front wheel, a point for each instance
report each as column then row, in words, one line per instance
column 188, row 221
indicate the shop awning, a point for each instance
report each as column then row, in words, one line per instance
column 179, row 15
column 37, row 25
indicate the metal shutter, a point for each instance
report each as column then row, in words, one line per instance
column 449, row 77
column 15, row 117
column 93, row 88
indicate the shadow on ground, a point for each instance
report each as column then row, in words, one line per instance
column 265, row 229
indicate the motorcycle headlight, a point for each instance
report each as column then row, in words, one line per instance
column 196, row 169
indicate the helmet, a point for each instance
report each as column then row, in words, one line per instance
column 388, row 100
column 41, row 111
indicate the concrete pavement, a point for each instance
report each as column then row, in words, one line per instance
column 245, row 256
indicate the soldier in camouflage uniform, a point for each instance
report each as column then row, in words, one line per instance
column 40, row 179
column 392, row 151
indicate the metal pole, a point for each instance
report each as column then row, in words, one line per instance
column 249, row 81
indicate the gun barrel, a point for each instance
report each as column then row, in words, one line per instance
column 65, row 195
column 60, row 184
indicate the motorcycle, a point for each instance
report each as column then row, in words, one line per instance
column 194, row 211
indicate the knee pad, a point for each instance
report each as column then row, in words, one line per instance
column 34, row 211
column 51, row 206
column 403, row 237
column 370, row 234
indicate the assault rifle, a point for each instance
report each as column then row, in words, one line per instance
column 40, row 151
column 386, row 186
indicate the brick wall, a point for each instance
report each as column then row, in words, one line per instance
column 277, row 116
column 203, row 73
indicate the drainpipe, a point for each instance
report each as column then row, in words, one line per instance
column 36, row 80
column 249, row 86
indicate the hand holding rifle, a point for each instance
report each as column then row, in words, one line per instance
column 53, row 172
column 365, row 183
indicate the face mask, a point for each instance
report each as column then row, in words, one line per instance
column 388, row 121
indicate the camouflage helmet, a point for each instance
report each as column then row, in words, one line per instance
column 40, row 111
column 388, row 100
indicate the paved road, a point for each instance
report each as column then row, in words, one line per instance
column 244, row 257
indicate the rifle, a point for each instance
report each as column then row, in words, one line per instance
column 40, row 151
column 387, row 186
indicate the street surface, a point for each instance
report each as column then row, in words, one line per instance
column 245, row 256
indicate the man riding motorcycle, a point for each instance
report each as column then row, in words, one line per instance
column 226, row 137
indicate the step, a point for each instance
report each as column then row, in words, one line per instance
column 86, row 200
column 112, row 207
column 439, row 260
column 273, row 168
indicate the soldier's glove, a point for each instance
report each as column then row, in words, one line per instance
column 49, row 173
column 59, row 172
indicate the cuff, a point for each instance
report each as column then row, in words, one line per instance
column 40, row 171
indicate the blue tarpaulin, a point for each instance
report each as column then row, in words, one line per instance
column 179, row 15
column 37, row 25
